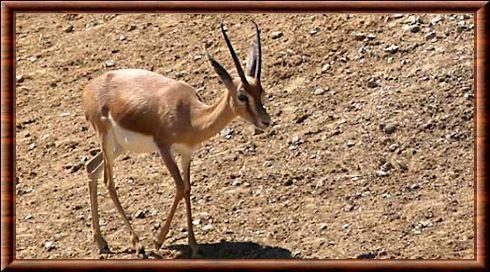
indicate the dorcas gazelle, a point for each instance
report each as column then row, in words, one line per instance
column 141, row 111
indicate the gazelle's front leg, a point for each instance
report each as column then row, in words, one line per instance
column 172, row 167
column 186, row 163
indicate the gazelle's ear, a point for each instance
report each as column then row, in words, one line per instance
column 252, row 60
column 223, row 75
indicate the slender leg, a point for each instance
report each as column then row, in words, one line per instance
column 174, row 171
column 109, row 156
column 101, row 242
column 186, row 163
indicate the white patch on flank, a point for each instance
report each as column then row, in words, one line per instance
column 132, row 141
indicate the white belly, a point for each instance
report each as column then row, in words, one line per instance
column 133, row 141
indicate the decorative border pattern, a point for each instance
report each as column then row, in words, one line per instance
column 8, row 10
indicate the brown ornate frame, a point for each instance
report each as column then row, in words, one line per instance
column 9, row 9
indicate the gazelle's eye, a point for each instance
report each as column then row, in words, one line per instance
column 242, row 97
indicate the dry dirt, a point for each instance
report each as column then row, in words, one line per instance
column 370, row 154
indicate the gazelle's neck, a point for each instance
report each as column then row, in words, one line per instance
column 211, row 120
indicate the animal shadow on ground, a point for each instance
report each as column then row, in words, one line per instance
column 233, row 250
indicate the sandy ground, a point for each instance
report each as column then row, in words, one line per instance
column 370, row 154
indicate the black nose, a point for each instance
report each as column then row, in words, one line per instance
column 266, row 123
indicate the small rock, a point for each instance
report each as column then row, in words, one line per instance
column 319, row 91
column 397, row 16
column 28, row 217
column 208, row 227
column 314, row 30
column 350, row 143
column 371, row 36
column 49, row 245
column 32, row 59
column 296, row 140
column 276, row 34
column 345, row 226
column 389, row 128
column 430, row 35
column 359, row 36
column 64, row 114
column 437, row 19
column 387, row 166
column 392, row 49
column 382, row 173
column 348, row 208
column 323, row 226
column 468, row 96
column 325, row 67
column 288, row 182
column 236, row 182
column 367, row 255
column 69, row 29
column 412, row 28
column 32, row 146
column 110, row 63
column 461, row 26
column 227, row 133
column 19, row 78
column 140, row 214
column 372, row 83
column 131, row 28
column 393, row 147
column 121, row 37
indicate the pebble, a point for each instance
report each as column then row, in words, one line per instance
column 393, row 147
column 32, row 146
column 110, row 63
column 359, row 36
column 69, row 29
column 140, row 214
column 392, row 49
column 372, row 83
column 389, row 128
column 437, row 19
column 314, row 30
column 49, row 245
column 296, row 140
column 412, row 28
column 288, row 182
column 276, row 34
column 121, row 37
column 366, row 255
column 323, row 226
column 319, row 91
column 32, row 59
column 430, row 35
column 19, row 78
column 461, row 26
column 227, row 133
column 382, row 173
column 350, row 143
column 325, row 67
column 345, row 226
column 208, row 227
column 131, row 28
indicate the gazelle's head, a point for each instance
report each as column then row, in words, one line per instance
column 246, row 90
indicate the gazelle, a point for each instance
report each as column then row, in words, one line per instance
column 141, row 111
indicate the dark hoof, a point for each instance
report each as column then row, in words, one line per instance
column 141, row 252
column 104, row 250
column 157, row 244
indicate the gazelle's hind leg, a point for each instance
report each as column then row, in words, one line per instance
column 101, row 242
column 109, row 146
column 94, row 168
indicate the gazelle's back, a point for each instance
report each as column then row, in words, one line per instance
column 134, row 98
